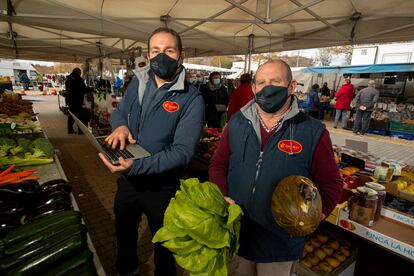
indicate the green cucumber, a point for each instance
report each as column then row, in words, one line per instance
column 20, row 257
column 39, row 238
column 32, row 228
column 83, row 258
column 51, row 257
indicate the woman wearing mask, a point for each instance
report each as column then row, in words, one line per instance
column 216, row 100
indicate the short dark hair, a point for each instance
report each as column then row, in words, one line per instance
column 315, row 86
column 77, row 71
column 245, row 78
column 215, row 73
column 168, row 31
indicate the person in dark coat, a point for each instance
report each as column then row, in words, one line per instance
column 314, row 103
column 216, row 100
column 75, row 91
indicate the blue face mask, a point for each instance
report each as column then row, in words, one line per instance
column 271, row 98
column 217, row 82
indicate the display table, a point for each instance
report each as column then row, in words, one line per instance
column 55, row 171
column 388, row 233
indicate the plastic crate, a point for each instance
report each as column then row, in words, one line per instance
column 379, row 125
column 400, row 127
column 402, row 135
column 378, row 131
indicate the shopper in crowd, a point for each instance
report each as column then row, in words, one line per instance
column 216, row 100
column 165, row 114
column 313, row 102
column 365, row 101
column 325, row 91
column 24, row 80
column 325, row 100
column 75, row 92
column 344, row 97
column 248, row 154
column 241, row 95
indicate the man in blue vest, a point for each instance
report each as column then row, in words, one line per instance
column 165, row 114
column 266, row 141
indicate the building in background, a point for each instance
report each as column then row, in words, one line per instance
column 383, row 54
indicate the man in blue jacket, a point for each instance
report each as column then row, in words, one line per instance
column 165, row 115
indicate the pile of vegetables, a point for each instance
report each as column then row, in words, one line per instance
column 21, row 124
column 53, row 245
column 23, row 199
column 25, row 152
column 11, row 104
column 200, row 228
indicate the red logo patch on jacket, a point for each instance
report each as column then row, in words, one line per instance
column 171, row 106
column 290, row 146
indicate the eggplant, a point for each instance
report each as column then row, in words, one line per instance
column 55, row 195
column 52, row 183
column 47, row 209
column 65, row 188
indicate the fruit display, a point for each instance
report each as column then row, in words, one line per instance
column 12, row 105
column 208, row 144
column 297, row 206
column 328, row 256
column 401, row 205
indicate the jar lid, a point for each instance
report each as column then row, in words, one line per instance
column 367, row 191
column 375, row 186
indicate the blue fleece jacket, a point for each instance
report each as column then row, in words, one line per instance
column 167, row 121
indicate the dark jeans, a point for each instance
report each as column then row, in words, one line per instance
column 362, row 120
column 80, row 113
column 131, row 201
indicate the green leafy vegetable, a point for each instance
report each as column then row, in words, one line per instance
column 201, row 228
column 42, row 148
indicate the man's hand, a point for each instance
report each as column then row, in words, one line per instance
column 363, row 107
column 119, row 135
column 124, row 165
column 229, row 200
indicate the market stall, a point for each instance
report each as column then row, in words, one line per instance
column 41, row 231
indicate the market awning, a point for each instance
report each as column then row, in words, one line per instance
column 358, row 69
column 62, row 30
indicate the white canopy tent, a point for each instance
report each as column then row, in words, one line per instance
column 61, row 30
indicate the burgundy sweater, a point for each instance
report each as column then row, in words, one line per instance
column 325, row 172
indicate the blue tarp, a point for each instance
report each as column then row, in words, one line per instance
column 357, row 69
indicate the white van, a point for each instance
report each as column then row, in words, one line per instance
column 12, row 68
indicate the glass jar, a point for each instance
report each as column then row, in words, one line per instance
column 363, row 205
column 381, row 193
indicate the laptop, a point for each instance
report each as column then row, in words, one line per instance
column 131, row 151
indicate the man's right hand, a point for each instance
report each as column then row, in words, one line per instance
column 229, row 200
column 119, row 136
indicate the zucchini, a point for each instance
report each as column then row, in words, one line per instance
column 21, row 256
column 44, row 236
column 78, row 261
column 55, row 254
column 32, row 228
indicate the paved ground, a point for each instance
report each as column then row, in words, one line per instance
column 94, row 187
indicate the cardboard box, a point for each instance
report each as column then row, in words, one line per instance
column 345, row 269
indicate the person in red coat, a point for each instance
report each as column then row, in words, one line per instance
column 344, row 97
column 241, row 95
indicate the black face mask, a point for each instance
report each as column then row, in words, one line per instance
column 164, row 66
column 271, row 98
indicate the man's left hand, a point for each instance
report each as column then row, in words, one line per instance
column 124, row 165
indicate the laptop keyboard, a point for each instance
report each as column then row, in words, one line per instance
column 116, row 153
